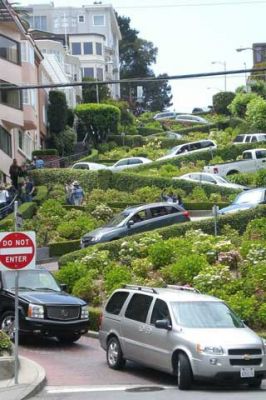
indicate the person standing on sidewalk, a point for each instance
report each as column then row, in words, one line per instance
column 14, row 172
column 77, row 195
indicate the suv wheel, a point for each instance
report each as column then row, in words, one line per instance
column 68, row 339
column 7, row 324
column 114, row 354
column 184, row 373
column 255, row 383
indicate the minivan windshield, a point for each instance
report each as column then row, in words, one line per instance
column 30, row 280
column 205, row 314
column 117, row 219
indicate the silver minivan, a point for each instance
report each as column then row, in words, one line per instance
column 182, row 332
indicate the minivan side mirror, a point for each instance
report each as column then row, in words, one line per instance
column 130, row 223
column 163, row 324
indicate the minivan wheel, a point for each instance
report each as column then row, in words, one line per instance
column 7, row 324
column 184, row 372
column 256, row 383
column 114, row 354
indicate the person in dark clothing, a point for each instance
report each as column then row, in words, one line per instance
column 29, row 189
column 14, row 172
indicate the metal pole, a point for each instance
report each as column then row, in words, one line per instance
column 97, row 93
column 225, row 83
column 16, row 366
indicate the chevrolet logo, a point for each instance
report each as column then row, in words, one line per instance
column 246, row 357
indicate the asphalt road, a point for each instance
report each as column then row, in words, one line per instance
column 80, row 372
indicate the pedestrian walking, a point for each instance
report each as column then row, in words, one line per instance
column 39, row 163
column 29, row 189
column 14, row 172
column 77, row 194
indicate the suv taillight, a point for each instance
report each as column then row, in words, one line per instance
column 100, row 320
column 186, row 214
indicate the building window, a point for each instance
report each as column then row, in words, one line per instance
column 10, row 98
column 39, row 22
column 27, row 53
column 81, row 18
column 76, row 48
column 5, row 141
column 98, row 20
column 99, row 72
column 99, row 49
column 88, row 72
column 29, row 97
column 25, row 143
column 9, row 50
column 87, row 47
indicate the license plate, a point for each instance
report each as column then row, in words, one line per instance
column 247, row 373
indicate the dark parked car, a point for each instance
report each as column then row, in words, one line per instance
column 246, row 200
column 135, row 220
column 44, row 308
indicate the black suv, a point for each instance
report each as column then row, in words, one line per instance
column 44, row 308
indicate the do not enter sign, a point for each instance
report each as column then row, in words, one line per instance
column 17, row 250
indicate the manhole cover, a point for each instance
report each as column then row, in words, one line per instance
column 145, row 389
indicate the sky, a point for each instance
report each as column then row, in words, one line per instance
column 190, row 35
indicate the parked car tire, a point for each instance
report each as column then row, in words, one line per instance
column 68, row 339
column 184, row 373
column 256, row 383
column 114, row 354
column 7, row 324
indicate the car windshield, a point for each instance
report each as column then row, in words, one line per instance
column 249, row 197
column 30, row 280
column 220, row 179
column 205, row 314
column 117, row 219
column 173, row 150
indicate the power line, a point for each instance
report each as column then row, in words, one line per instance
column 7, row 86
column 220, row 3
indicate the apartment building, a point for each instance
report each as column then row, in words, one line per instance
column 93, row 34
column 20, row 118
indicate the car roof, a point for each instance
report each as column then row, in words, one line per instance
column 144, row 206
column 134, row 158
column 260, row 189
column 171, row 294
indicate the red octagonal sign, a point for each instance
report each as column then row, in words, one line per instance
column 17, row 250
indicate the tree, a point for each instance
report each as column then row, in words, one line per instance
column 57, row 111
column 221, row 102
column 89, row 92
column 136, row 58
column 256, row 113
column 239, row 104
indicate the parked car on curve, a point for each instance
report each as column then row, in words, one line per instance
column 252, row 161
column 130, row 162
column 89, row 166
column 44, row 308
column 135, row 220
column 246, row 200
column 212, row 179
column 250, row 138
column 191, row 147
column 165, row 115
column 188, row 119
column 182, row 332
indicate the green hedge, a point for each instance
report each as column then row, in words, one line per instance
column 129, row 181
column 42, row 194
column 26, row 210
column 61, row 248
column 127, row 140
column 238, row 221
column 92, row 157
column 95, row 314
column 45, row 152
column 145, row 131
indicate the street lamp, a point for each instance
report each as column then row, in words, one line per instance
column 224, row 65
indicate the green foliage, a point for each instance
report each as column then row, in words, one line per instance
column 58, row 249
column 87, row 289
column 64, row 141
column 99, row 119
column 184, row 269
column 256, row 113
column 74, row 228
column 199, row 194
column 116, row 277
column 102, row 213
column 161, row 254
column 70, row 274
column 45, row 152
column 41, row 195
column 95, row 314
column 57, row 111
column 127, row 118
column 5, row 344
column 212, row 278
column 89, row 91
column 256, row 229
column 221, row 102
column 239, row 105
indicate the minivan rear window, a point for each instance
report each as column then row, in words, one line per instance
column 116, row 302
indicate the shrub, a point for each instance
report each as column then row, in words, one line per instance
column 102, row 213
column 184, row 269
column 255, row 114
column 256, row 229
column 116, row 277
column 199, row 194
column 41, row 195
column 70, row 274
column 95, row 314
column 88, row 289
column 161, row 254
column 5, row 344
column 221, row 102
column 45, row 152
column 59, row 249
column 74, row 229
column 212, row 278
column 239, row 104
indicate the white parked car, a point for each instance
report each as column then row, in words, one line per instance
column 190, row 119
column 250, row 138
column 165, row 115
column 89, row 166
column 130, row 162
column 213, row 179
column 188, row 148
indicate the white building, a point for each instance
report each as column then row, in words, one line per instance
column 93, row 36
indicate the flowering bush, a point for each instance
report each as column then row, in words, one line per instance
column 212, row 278
column 102, row 213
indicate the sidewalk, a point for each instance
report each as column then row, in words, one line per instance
column 31, row 379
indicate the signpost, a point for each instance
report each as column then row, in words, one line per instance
column 215, row 210
column 17, row 251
